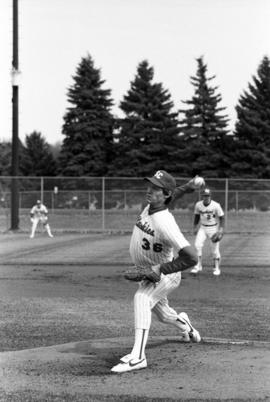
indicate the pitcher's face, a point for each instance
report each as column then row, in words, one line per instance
column 155, row 196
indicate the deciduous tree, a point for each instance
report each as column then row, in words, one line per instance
column 5, row 160
column 37, row 159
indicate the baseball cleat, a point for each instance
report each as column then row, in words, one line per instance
column 216, row 272
column 196, row 269
column 185, row 337
column 193, row 334
column 129, row 364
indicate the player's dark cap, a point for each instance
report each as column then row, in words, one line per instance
column 162, row 179
column 206, row 192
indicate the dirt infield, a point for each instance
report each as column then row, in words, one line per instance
column 78, row 371
column 90, row 249
column 69, row 291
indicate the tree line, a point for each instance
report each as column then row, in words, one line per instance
column 151, row 134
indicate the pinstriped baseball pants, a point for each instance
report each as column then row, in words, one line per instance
column 153, row 297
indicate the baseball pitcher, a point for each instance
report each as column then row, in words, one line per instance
column 208, row 224
column 155, row 240
column 39, row 213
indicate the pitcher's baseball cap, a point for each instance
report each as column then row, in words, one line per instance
column 206, row 192
column 162, row 179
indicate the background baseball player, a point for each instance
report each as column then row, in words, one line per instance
column 155, row 238
column 208, row 223
column 39, row 213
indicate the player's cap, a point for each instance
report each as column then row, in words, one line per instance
column 38, row 202
column 206, row 192
column 162, row 179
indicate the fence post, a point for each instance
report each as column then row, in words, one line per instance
column 41, row 189
column 125, row 200
column 226, row 202
column 52, row 201
column 103, row 203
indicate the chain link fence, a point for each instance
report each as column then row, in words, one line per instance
column 112, row 204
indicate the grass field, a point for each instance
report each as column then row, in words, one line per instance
column 74, row 220
column 70, row 290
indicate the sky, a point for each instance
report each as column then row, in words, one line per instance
column 233, row 36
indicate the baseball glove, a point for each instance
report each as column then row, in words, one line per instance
column 216, row 237
column 138, row 274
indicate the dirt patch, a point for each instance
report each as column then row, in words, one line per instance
column 179, row 371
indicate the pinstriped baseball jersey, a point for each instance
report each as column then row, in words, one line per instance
column 209, row 214
column 155, row 237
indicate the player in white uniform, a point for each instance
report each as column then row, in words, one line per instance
column 208, row 219
column 155, row 239
column 39, row 213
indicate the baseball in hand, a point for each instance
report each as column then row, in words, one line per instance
column 198, row 181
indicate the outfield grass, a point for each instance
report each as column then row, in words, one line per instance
column 74, row 220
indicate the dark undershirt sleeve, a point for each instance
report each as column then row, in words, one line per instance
column 187, row 258
column 182, row 190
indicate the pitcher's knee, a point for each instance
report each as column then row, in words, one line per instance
column 165, row 318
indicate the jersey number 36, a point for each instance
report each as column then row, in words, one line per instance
column 157, row 247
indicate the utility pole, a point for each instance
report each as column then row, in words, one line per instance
column 15, row 123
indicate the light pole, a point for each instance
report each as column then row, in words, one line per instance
column 15, row 123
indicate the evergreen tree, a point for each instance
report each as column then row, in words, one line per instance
column 204, row 128
column 88, row 124
column 37, row 159
column 148, row 133
column 251, row 157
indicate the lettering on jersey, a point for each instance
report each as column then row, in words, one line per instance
column 144, row 227
column 208, row 212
